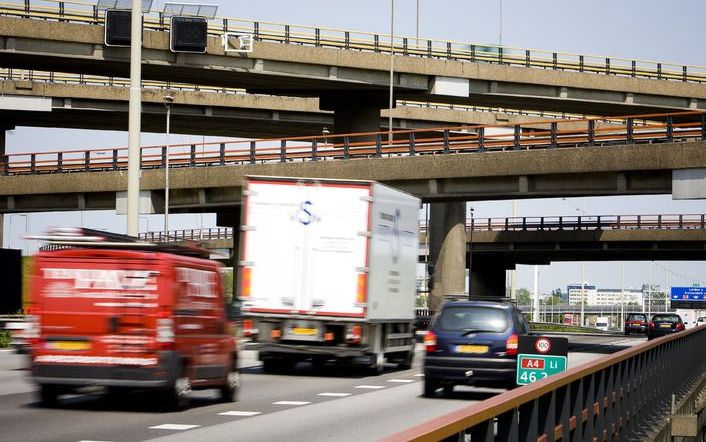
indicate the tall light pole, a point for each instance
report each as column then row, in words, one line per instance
column 501, row 23
column 649, row 293
column 583, row 290
column 134, row 118
column 622, row 292
column 470, row 257
column 392, row 70
column 168, row 100
column 417, row 34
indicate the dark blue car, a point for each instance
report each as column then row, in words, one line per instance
column 472, row 343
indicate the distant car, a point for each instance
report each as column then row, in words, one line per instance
column 701, row 320
column 636, row 323
column 472, row 343
column 18, row 335
column 664, row 324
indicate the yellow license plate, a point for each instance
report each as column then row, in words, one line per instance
column 666, row 326
column 304, row 331
column 70, row 345
column 475, row 349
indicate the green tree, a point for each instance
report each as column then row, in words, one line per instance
column 523, row 297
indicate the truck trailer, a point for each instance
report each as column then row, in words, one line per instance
column 327, row 271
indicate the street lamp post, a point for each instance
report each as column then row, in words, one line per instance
column 583, row 290
column 392, row 71
column 168, row 100
column 470, row 259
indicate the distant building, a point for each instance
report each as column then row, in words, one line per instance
column 596, row 296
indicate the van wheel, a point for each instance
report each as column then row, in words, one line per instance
column 179, row 396
column 229, row 391
column 48, row 395
column 430, row 387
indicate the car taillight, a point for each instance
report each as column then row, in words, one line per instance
column 511, row 345
column 430, row 342
column 165, row 331
column 680, row 326
column 353, row 334
column 643, row 322
column 652, row 324
column 247, row 327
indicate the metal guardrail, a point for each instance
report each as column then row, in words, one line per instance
column 596, row 222
column 691, row 126
column 612, row 398
column 83, row 12
column 189, row 235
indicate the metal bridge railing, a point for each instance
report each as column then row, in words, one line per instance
column 665, row 127
column 594, row 222
column 84, row 12
column 612, row 398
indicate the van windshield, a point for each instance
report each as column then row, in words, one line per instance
column 465, row 318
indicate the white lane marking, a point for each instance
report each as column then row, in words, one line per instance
column 86, row 440
column 290, row 403
column 334, row 394
column 419, row 375
column 239, row 413
column 371, row 387
column 401, row 381
column 174, row 427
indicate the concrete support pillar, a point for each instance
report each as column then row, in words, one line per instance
column 2, row 231
column 487, row 278
column 353, row 113
column 447, row 249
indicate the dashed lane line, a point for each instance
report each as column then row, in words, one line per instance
column 370, row 387
column 240, row 413
column 179, row 427
column 401, row 381
column 291, row 403
column 334, row 394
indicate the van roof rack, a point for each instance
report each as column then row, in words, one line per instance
column 67, row 237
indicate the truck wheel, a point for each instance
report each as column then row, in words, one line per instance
column 48, row 395
column 378, row 366
column 430, row 387
column 406, row 362
column 277, row 365
column 229, row 391
column 178, row 397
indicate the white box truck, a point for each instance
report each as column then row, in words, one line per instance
column 327, row 271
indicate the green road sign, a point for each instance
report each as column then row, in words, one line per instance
column 532, row 368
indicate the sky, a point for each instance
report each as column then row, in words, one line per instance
column 651, row 30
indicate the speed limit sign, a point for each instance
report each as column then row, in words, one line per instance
column 543, row 345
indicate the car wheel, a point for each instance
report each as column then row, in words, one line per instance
column 277, row 365
column 229, row 390
column 48, row 395
column 430, row 387
column 448, row 389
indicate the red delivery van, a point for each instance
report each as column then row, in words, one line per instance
column 121, row 313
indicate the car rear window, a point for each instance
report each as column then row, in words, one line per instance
column 473, row 318
column 670, row 318
column 636, row 317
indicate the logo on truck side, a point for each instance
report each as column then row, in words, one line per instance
column 103, row 279
column 304, row 215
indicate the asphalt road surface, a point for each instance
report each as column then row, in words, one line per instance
column 308, row 404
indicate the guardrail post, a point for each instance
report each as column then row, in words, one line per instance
column 473, row 52
column 541, row 223
column 684, row 75
column 95, row 13
column 553, row 134
column 59, row 161
column 225, row 25
column 446, row 141
column 429, row 51
column 481, row 139
column 607, row 65
column 555, row 60
column 527, row 58
column 681, row 219
column 516, row 137
column 27, row 8
column 561, row 223
column 659, row 221
column 639, row 221
column 347, row 37
column 703, row 217
column 86, row 160
column 500, row 55
column 659, row 71
column 378, row 145
column 283, row 151
column 346, row 147
column 314, row 147
column 317, row 37
column 670, row 128
column 286, row 34
column 524, row 223
column 598, row 222
column 61, row 10
column 192, row 155
column 256, row 30
column 376, row 40
column 405, row 50
column 580, row 63
column 161, row 20
column 115, row 159
column 618, row 221
column 164, row 156
column 252, row 152
column 448, row 50
column 412, row 150
column 507, row 222
column 591, row 132
column 630, row 130
column 633, row 70
column 578, row 223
